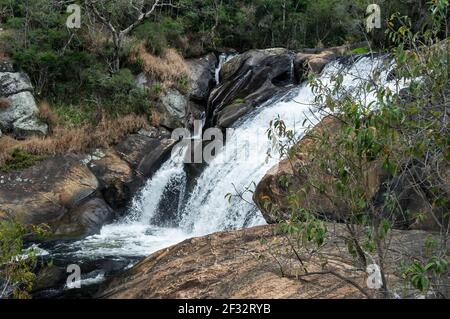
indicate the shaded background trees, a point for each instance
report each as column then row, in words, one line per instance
column 65, row 62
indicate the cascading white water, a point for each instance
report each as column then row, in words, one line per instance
column 206, row 209
column 223, row 58
column 243, row 161
column 170, row 176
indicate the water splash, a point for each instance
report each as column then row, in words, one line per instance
column 162, row 215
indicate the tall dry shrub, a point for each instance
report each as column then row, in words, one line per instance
column 168, row 69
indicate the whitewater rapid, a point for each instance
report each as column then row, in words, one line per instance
column 205, row 208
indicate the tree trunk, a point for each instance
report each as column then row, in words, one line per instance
column 117, row 41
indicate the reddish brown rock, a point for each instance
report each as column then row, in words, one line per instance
column 114, row 175
column 271, row 192
column 252, row 263
column 314, row 60
column 272, row 195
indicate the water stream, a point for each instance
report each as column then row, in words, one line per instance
column 204, row 210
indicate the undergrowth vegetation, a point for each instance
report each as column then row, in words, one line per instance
column 16, row 263
column 15, row 154
column 378, row 166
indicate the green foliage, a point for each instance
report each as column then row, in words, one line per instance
column 421, row 275
column 50, row 53
column 183, row 84
column 268, row 23
column 74, row 115
column 116, row 94
column 160, row 34
column 306, row 228
column 362, row 50
column 402, row 135
column 16, row 263
column 62, row 66
column 66, row 65
column 20, row 160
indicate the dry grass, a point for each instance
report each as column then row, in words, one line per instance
column 167, row 69
column 4, row 103
column 47, row 115
column 74, row 140
column 155, row 118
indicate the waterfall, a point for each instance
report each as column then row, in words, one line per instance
column 170, row 178
column 223, row 58
column 163, row 213
column 243, row 161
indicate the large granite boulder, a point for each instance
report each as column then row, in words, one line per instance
column 85, row 220
column 247, row 81
column 122, row 169
column 313, row 61
column 173, row 109
column 272, row 194
column 54, row 192
column 255, row 263
column 144, row 154
column 20, row 117
column 6, row 66
column 77, row 194
column 180, row 106
column 13, row 83
column 201, row 77
column 114, row 175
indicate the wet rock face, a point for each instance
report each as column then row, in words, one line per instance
column 76, row 195
column 85, row 220
column 20, row 117
column 49, row 192
column 248, row 80
column 124, row 168
column 201, row 82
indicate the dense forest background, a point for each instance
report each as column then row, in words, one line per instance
column 73, row 69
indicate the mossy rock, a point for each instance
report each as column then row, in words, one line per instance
column 20, row 160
